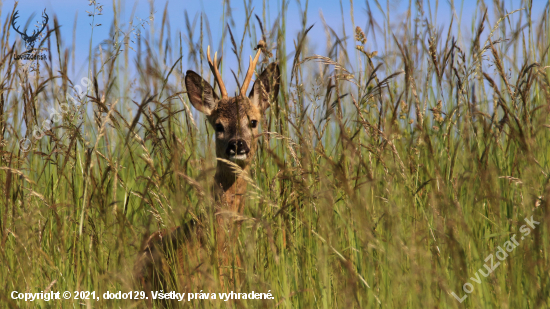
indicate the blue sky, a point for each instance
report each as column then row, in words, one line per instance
column 67, row 11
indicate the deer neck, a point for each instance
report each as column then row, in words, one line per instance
column 230, row 188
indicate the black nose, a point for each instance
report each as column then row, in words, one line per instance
column 237, row 147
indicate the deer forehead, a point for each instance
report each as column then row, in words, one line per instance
column 229, row 111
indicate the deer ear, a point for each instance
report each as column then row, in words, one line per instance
column 269, row 80
column 200, row 93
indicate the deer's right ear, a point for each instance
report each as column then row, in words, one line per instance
column 200, row 93
column 269, row 80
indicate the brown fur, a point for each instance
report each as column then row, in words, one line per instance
column 236, row 116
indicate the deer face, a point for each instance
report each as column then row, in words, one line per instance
column 235, row 120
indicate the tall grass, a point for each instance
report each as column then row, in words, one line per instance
column 384, row 178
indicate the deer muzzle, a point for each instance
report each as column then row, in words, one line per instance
column 237, row 150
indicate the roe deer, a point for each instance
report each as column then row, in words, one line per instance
column 235, row 121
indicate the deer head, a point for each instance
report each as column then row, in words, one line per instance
column 235, row 119
column 29, row 40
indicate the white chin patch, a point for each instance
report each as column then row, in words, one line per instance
column 240, row 157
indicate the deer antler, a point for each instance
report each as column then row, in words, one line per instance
column 251, row 68
column 14, row 17
column 217, row 75
column 44, row 24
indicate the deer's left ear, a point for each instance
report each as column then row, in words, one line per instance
column 269, row 80
column 200, row 93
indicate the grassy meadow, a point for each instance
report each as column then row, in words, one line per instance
column 384, row 178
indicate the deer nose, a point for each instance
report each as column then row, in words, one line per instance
column 237, row 147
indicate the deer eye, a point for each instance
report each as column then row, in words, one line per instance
column 253, row 123
column 218, row 127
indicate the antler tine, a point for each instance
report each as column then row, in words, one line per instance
column 46, row 19
column 44, row 24
column 251, row 68
column 15, row 16
column 217, row 75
